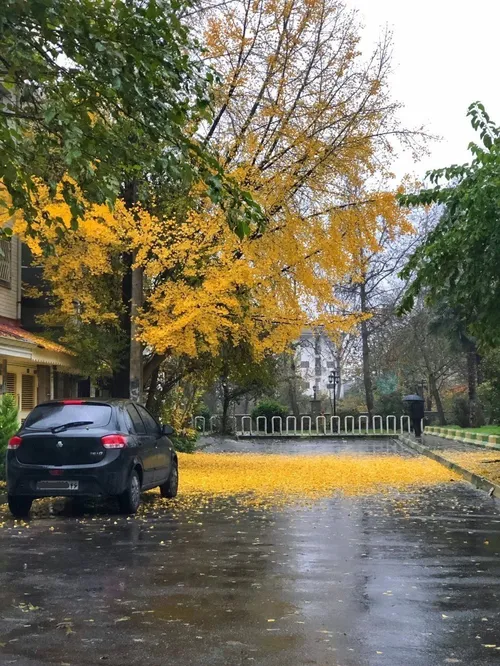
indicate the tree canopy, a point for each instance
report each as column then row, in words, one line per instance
column 458, row 264
column 105, row 92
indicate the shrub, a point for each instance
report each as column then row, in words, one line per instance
column 270, row 408
column 184, row 441
column 460, row 411
column 489, row 395
column 351, row 405
column 203, row 410
column 9, row 425
column 389, row 403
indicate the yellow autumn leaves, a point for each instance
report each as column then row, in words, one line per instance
column 281, row 479
column 485, row 463
column 203, row 285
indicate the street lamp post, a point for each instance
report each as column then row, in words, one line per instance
column 333, row 380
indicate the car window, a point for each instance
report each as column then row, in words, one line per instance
column 56, row 414
column 152, row 426
column 139, row 427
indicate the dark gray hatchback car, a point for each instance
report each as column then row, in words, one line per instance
column 89, row 448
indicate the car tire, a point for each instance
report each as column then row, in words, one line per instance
column 130, row 498
column 20, row 505
column 171, row 485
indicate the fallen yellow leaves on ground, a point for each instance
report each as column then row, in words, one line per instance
column 484, row 463
column 282, row 478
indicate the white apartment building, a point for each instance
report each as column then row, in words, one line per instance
column 32, row 368
column 315, row 361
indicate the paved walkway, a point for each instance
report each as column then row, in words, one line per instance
column 388, row 580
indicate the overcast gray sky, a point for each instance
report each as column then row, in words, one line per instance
column 446, row 55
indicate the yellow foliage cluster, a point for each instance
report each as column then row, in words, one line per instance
column 303, row 123
column 281, row 479
column 203, row 284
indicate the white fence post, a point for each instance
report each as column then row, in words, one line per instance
column 365, row 419
column 405, row 419
column 302, row 419
column 393, row 421
column 273, row 420
column 351, row 421
column 337, row 423
column 259, row 421
column 244, row 419
column 378, row 420
column 213, row 423
column 422, row 425
column 324, row 424
column 288, row 419
column 198, row 419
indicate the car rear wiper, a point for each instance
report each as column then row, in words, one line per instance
column 71, row 424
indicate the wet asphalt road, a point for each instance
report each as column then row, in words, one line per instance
column 403, row 580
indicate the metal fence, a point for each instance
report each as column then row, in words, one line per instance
column 244, row 425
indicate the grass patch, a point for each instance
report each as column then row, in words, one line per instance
column 484, row 430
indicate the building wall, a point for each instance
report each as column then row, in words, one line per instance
column 22, row 382
column 10, row 279
column 316, row 360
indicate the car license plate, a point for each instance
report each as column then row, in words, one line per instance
column 57, row 485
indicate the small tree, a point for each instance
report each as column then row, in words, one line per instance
column 9, row 425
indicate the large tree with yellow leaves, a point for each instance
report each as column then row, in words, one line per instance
column 305, row 123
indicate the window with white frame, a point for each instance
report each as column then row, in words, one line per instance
column 5, row 263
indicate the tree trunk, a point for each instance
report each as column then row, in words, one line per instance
column 367, row 373
column 472, row 386
column 120, row 382
column 136, row 361
column 226, row 403
column 338, row 363
column 430, row 394
column 153, row 386
column 292, row 389
column 120, row 379
column 479, row 370
column 433, row 389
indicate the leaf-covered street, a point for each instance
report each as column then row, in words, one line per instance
column 403, row 573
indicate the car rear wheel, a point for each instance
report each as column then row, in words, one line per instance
column 130, row 499
column 171, row 485
column 20, row 506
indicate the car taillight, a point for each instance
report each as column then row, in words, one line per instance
column 14, row 442
column 72, row 402
column 114, row 441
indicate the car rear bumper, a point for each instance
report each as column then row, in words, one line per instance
column 93, row 481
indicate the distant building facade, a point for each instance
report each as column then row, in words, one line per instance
column 316, row 359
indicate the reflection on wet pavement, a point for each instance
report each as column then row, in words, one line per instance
column 401, row 579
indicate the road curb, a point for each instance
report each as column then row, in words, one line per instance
column 476, row 480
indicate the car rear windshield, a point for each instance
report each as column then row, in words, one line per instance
column 45, row 417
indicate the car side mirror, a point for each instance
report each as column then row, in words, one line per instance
column 167, row 430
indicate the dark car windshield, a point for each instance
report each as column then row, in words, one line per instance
column 46, row 417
